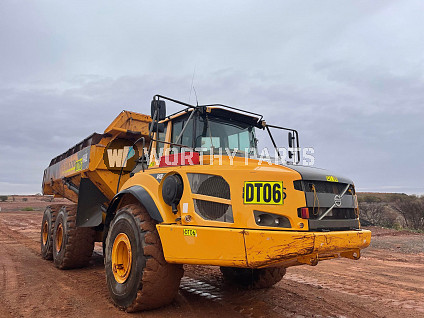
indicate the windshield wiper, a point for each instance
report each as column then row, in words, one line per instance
column 185, row 126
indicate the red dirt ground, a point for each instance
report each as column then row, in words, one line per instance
column 388, row 281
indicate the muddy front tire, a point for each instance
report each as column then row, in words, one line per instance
column 47, row 225
column 137, row 275
column 72, row 246
column 253, row 278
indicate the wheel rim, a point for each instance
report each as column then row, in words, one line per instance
column 45, row 232
column 59, row 237
column 121, row 258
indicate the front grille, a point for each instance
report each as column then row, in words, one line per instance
column 322, row 186
column 322, row 195
column 214, row 211
column 211, row 185
column 214, row 187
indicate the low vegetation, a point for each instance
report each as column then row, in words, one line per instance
column 395, row 210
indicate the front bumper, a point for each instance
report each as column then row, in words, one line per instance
column 257, row 248
column 275, row 248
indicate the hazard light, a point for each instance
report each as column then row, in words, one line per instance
column 304, row 213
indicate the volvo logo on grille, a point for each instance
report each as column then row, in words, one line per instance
column 337, row 200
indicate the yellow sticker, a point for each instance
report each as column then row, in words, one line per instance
column 332, row 179
column 257, row 192
column 190, row 232
column 78, row 165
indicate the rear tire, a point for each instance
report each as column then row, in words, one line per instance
column 140, row 279
column 72, row 246
column 253, row 278
column 47, row 225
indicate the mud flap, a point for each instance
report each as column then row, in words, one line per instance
column 90, row 203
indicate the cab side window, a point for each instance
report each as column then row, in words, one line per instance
column 187, row 137
column 177, row 127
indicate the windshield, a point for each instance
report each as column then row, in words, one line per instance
column 216, row 133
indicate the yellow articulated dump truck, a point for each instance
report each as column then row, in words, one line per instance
column 163, row 190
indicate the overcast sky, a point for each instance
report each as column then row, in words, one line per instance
column 347, row 74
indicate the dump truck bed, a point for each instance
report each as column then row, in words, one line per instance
column 87, row 161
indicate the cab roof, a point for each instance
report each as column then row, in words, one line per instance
column 224, row 112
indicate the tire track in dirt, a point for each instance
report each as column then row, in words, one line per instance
column 383, row 296
column 384, row 282
column 285, row 299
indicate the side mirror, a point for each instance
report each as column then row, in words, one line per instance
column 291, row 138
column 158, row 106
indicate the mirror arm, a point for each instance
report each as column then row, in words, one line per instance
column 150, row 133
column 297, row 160
column 157, row 96
column 273, row 142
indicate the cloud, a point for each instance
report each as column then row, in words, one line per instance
column 347, row 75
